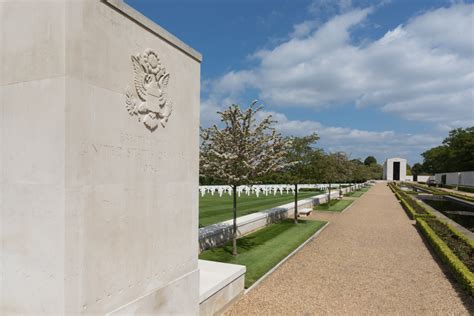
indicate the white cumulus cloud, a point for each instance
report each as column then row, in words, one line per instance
column 421, row 71
column 358, row 143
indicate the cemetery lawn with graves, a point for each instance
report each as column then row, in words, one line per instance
column 214, row 208
column 357, row 193
column 262, row 250
column 334, row 206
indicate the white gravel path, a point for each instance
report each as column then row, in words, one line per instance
column 370, row 260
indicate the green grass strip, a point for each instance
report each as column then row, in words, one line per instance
column 263, row 249
column 334, row 206
column 214, row 209
column 355, row 194
column 459, row 269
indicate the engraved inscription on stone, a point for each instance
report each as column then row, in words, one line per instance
column 137, row 150
column 149, row 100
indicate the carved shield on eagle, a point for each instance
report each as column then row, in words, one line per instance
column 149, row 100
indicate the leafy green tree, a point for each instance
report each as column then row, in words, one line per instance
column 417, row 169
column 370, row 160
column 455, row 154
column 375, row 172
column 242, row 151
column 460, row 143
column 337, row 168
column 361, row 173
column 409, row 173
column 436, row 159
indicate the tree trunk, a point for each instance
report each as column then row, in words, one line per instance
column 296, row 203
column 234, row 231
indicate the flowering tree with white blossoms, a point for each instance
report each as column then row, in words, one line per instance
column 241, row 151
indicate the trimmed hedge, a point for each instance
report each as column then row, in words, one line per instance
column 447, row 186
column 462, row 247
column 439, row 240
column 432, row 190
column 460, row 187
column 466, row 189
column 455, row 250
column 441, row 192
column 390, row 185
column 411, row 207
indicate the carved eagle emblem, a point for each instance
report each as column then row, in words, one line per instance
column 149, row 100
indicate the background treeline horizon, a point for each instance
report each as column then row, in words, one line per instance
column 456, row 153
column 315, row 166
column 248, row 150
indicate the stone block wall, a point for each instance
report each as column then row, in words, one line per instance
column 99, row 161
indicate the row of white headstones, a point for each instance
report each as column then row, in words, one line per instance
column 264, row 189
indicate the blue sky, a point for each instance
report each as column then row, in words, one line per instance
column 382, row 78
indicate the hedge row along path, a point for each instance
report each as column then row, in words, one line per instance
column 369, row 260
column 469, row 194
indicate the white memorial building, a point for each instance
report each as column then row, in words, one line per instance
column 395, row 169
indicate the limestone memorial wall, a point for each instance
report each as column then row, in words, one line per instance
column 463, row 178
column 99, row 123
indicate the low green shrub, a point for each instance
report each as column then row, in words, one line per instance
column 466, row 189
column 453, row 248
column 432, row 190
column 459, row 188
column 411, row 207
column 391, row 186
column 461, row 196
column 447, row 186
column 461, row 246
column 436, row 191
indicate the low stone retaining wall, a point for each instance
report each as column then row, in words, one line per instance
column 218, row 234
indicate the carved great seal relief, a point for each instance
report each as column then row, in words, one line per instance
column 149, row 100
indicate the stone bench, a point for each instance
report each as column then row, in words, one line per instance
column 305, row 211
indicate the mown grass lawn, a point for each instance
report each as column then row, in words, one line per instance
column 214, row 209
column 262, row 250
column 357, row 193
column 334, row 206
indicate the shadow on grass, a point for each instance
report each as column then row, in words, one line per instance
column 251, row 241
column 243, row 245
column 263, row 249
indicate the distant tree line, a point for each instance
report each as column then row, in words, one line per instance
column 456, row 153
